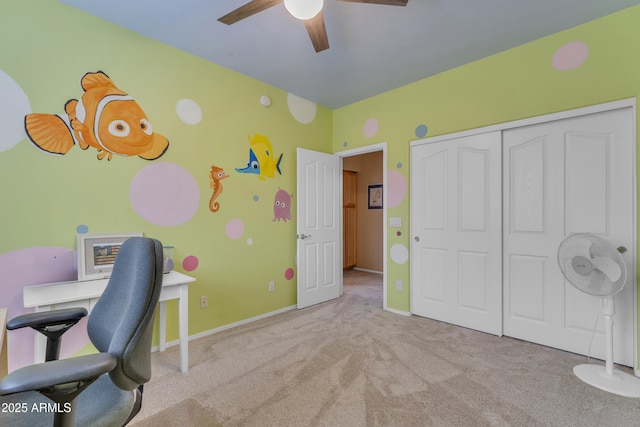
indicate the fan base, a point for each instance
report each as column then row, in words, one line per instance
column 619, row 382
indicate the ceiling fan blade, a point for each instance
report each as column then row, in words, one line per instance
column 247, row 10
column 384, row 2
column 317, row 32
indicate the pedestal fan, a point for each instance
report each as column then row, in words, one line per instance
column 592, row 265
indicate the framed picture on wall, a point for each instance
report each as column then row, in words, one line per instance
column 97, row 253
column 375, row 196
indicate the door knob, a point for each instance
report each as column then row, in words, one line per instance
column 417, row 239
column 304, row 236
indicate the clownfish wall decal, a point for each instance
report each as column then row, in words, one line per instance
column 261, row 158
column 105, row 118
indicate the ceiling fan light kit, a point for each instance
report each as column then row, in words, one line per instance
column 303, row 9
column 593, row 266
column 308, row 11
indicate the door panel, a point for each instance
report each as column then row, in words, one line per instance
column 456, row 222
column 587, row 188
column 527, row 180
column 528, row 281
column 568, row 176
column 319, row 207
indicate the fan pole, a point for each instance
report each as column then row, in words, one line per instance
column 608, row 310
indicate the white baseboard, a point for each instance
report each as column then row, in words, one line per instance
column 367, row 271
column 229, row 326
column 401, row 313
column 253, row 319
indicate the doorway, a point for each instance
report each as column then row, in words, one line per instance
column 370, row 163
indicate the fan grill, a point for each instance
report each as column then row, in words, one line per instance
column 592, row 265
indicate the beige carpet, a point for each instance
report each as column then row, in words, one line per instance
column 349, row 363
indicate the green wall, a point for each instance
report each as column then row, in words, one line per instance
column 515, row 84
column 46, row 47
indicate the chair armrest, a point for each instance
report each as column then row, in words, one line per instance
column 45, row 376
column 47, row 318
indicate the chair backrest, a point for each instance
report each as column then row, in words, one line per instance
column 121, row 323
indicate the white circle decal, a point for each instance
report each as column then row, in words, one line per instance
column 399, row 253
column 189, row 111
column 14, row 105
column 301, row 109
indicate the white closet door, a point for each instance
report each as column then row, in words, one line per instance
column 568, row 176
column 456, row 226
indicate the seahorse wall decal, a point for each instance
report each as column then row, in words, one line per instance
column 215, row 176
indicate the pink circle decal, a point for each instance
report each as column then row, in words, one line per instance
column 235, row 229
column 570, row 56
column 36, row 266
column 397, row 188
column 190, row 263
column 370, row 128
column 288, row 274
column 164, row 194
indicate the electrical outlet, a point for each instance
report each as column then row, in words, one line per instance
column 399, row 285
column 272, row 286
column 204, row 301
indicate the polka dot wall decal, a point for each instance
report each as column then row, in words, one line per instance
column 421, row 131
column 397, row 185
column 399, row 233
column 344, row 144
column 399, row 165
column 14, row 105
column 52, row 264
column 570, row 56
column 370, row 128
column 399, row 253
column 301, row 109
column 82, row 229
column 256, row 197
column 288, row 274
column 189, row 111
column 190, row 263
column 249, row 241
column 164, row 194
column 235, row 229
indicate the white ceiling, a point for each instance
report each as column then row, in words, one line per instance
column 373, row 48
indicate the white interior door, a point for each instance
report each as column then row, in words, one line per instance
column 568, row 176
column 456, row 258
column 319, row 210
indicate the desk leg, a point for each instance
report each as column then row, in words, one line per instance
column 162, row 325
column 183, row 325
column 40, row 343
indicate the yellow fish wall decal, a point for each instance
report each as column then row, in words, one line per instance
column 261, row 158
column 105, row 118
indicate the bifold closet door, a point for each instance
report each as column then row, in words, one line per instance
column 562, row 177
column 456, row 256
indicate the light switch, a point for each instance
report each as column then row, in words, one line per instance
column 396, row 222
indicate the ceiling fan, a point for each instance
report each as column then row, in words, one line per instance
column 308, row 11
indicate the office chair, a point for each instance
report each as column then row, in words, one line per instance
column 77, row 391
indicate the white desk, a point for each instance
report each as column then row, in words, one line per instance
column 85, row 294
column 3, row 343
